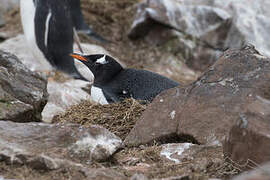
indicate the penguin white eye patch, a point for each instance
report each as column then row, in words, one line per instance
column 102, row 60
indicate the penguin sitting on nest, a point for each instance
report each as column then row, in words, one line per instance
column 113, row 83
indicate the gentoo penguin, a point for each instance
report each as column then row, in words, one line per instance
column 79, row 22
column 49, row 29
column 113, row 83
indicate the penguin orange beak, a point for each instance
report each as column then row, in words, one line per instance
column 79, row 57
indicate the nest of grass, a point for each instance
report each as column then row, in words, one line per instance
column 119, row 118
column 231, row 168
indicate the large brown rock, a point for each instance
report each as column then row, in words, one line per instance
column 249, row 140
column 23, row 93
column 208, row 108
column 159, row 120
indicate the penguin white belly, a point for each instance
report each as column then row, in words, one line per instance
column 98, row 96
column 28, row 10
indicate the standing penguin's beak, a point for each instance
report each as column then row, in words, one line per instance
column 77, row 56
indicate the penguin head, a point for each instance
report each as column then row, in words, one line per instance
column 102, row 66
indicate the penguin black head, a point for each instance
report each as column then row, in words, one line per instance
column 102, row 66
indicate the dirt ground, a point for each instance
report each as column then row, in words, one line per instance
column 206, row 163
column 112, row 20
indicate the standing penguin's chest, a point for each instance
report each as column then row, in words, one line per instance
column 28, row 12
column 98, row 95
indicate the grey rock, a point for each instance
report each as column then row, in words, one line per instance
column 49, row 147
column 200, row 29
column 63, row 95
column 6, row 5
column 212, row 26
column 176, row 152
column 99, row 145
column 207, row 109
column 23, row 93
column 183, row 152
column 194, row 20
column 250, row 23
column 138, row 177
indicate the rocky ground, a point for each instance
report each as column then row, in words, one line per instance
column 191, row 132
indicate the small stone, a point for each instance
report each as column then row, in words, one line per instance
column 177, row 152
column 96, row 147
column 138, row 177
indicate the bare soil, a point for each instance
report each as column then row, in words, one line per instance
column 207, row 163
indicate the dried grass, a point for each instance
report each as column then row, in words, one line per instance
column 231, row 168
column 119, row 118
